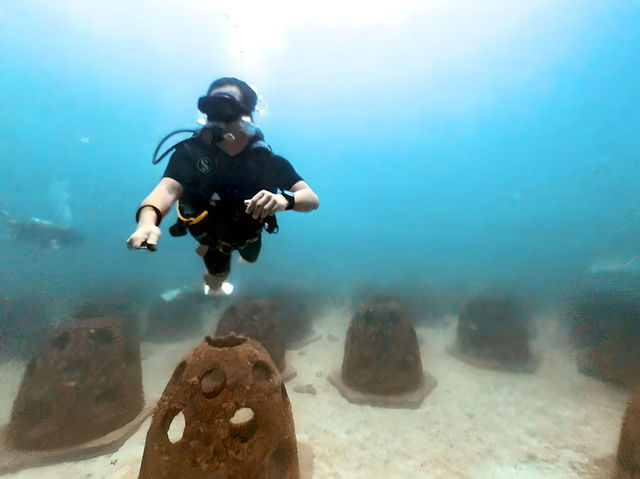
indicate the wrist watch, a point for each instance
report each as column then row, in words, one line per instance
column 291, row 200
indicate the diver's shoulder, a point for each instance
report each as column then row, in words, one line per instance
column 186, row 149
column 269, row 154
column 194, row 142
column 279, row 159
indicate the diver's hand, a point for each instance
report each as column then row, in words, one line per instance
column 145, row 236
column 264, row 204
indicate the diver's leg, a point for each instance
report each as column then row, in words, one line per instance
column 250, row 252
column 218, row 266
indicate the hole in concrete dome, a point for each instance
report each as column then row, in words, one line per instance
column 226, row 341
column 243, row 424
column 101, row 336
column 242, row 416
column 213, row 382
column 176, row 428
column 261, row 371
column 61, row 341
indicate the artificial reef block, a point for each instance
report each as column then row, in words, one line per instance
column 382, row 364
column 113, row 306
column 493, row 332
column 294, row 311
column 175, row 315
column 376, row 297
column 628, row 457
column 84, row 382
column 255, row 318
column 238, row 421
column 605, row 329
column 22, row 322
column 422, row 304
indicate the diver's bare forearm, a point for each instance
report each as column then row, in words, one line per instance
column 163, row 196
column 305, row 199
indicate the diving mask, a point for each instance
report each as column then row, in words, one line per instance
column 221, row 107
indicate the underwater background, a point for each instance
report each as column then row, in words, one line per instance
column 458, row 148
column 449, row 142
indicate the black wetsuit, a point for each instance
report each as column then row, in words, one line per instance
column 216, row 182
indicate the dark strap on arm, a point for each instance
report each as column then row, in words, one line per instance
column 291, row 199
column 157, row 211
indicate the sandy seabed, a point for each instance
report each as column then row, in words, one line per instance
column 477, row 423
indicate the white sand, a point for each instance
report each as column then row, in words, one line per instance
column 475, row 424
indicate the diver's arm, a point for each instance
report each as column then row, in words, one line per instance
column 163, row 196
column 265, row 203
column 305, row 198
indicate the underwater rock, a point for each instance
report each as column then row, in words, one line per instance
column 255, row 318
column 238, row 421
column 306, row 389
column 493, row 332
column 175, row 318
column 382, row 364
column 605, row 328
column 84, row 382
column 628, row 457
column 43, row 233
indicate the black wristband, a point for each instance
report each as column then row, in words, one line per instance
column 157, row 211
column 291, row 199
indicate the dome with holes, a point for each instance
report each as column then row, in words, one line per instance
column 84, row 382
column 224, row 413
column 382, row 365
column 254, row 318
column 493, row 332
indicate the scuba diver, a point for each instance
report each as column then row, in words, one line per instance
column 226, row 182
column 42, row 233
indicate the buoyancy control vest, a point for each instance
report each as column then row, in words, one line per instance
column 224, row 225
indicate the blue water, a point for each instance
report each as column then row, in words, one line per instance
column 456, row 145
